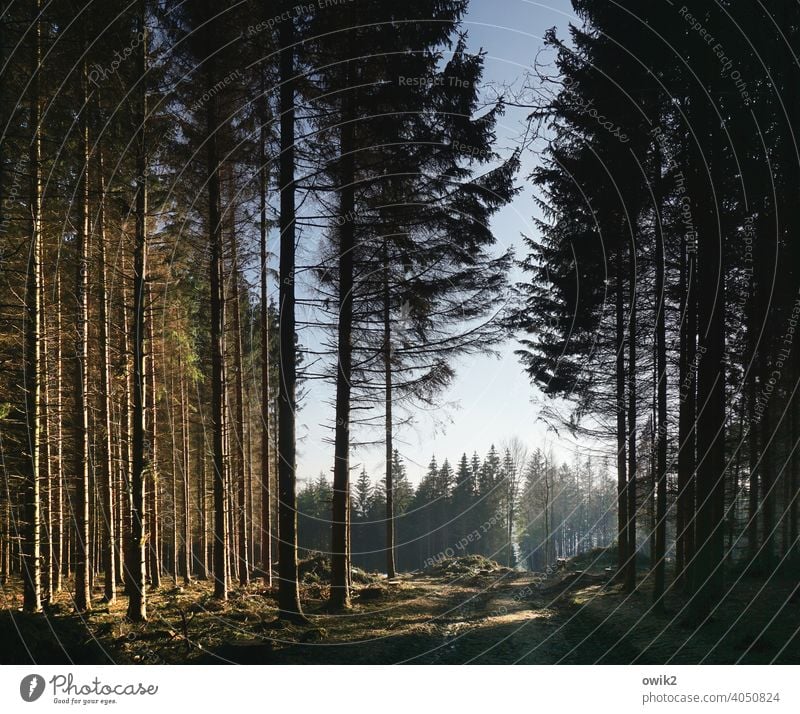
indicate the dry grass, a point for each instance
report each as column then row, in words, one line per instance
column 464, row 612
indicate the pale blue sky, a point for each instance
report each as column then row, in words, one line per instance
column 494, row 399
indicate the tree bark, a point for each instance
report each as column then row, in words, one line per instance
column 707, row 573
column 630, row 570
column 622, row 468
column 32, row 583
column 266, row 491
column 241, row 484
column 106, row 447
column 154, row 557
column 387, row 368
column 186, row 551
column 340, row 591
column 136, row 587
column 81, row 368
column 661, row 425
column 59, row 456
column 288, row 588
column 218, row 416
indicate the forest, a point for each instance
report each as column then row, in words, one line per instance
column 221, row 219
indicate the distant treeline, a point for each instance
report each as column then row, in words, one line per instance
column 522, row 511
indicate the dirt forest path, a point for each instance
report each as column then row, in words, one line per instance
column 509, row 617
column 497, row 618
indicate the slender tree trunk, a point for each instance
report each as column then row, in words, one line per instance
column 137, row 602
column 187, row 523
column 251, row 516
column 630, row 571
column 154, row 560
column 126, row 427
column 218, row 417
column 46, row 466
column 106, row 446
column 81, row 369
column 709, row 529
column 288, row 588
column 174, row 480
column 266, row 491
column 387, row 369
column 769, row 487
column 241, row 485
column 661, row 425
column 622, row 480
column 202, row 501
column 794, row 544
column 59, row 456
column 689, row 415
column 340, row 591
column 686, row 396
column 32, row 595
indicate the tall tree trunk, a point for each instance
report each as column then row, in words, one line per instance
column 106, row 446
column 793, row 554
column 186, row 552
column 45, row 465
column 769, row 486
column 689, row 414
column 387, row 369
column 126, row 425
column 266, row 492
column 792, row 188
column 137, row 596
column 340, row 591
column 81, row 367
column 709, row 530
column 241, row 484
column 288, row 588
column 661, row 425
column 622, row 478
column 202, row 500
column 153, row 554
column 59, row 455
column 630, row 571
column 251, row 516
column 684, row 525
column 32, row 595
column 173, row 431
column 218, row 416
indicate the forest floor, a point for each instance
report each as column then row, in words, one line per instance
column 467, row 610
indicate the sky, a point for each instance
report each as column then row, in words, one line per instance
column 491, row 399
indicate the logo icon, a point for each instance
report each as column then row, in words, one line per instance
column 31, row 687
